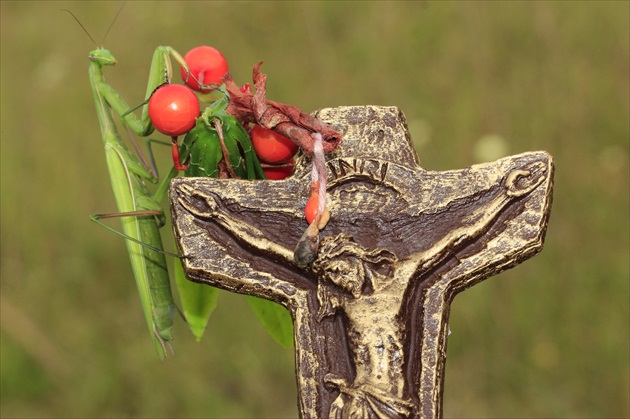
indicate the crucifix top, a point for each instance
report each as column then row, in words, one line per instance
column 370, row 313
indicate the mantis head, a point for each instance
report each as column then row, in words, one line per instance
column 102, row 56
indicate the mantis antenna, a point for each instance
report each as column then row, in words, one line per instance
column 86, row 31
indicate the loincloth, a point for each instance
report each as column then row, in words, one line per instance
column 365, row 401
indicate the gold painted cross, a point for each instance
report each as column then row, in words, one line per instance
column 371, row 312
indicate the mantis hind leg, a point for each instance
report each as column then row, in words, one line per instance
column 145, row 213
column 164, row 343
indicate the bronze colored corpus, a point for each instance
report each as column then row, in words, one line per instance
column 371, row 313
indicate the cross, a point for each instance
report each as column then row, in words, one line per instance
column 371, row 312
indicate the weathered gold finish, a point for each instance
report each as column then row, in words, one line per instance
column 371, row 312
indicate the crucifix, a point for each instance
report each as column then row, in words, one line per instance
column 371, row 311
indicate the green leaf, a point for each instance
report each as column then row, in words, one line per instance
column 198, row 301
column 205, row 155
column 252, row 165
column 275, row 318
column 231, row 138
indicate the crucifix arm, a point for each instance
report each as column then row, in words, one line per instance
column 518, row 182
column 207, row 205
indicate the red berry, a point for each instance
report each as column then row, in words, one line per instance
column 279, row 172
column 271, row 147
column 310, row 210
column 206, row 65
column 173, row 109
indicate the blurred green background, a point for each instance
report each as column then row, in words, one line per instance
column 476, row 81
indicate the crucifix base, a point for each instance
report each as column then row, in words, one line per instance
column 371, row 312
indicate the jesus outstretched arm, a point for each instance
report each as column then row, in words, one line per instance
column 517, row 183
column 242, row 231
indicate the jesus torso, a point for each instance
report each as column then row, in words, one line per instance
column 376, row 333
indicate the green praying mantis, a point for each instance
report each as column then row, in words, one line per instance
column 216, row 136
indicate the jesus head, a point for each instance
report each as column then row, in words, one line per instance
column 342, row 265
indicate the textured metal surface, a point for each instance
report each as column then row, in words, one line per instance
column 371, row 313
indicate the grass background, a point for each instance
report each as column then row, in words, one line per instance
column 476, row 80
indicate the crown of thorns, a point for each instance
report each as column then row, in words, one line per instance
column 334, row 247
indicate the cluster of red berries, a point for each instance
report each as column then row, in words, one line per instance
column 174, row 108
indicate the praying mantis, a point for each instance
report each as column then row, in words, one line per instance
column 128, row 177
column 216, row 135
